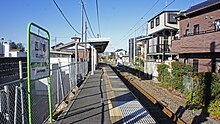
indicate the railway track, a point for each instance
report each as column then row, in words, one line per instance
column 160, row 112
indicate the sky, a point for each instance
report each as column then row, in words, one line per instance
column 117, row 18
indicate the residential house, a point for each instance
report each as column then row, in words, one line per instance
column 133, row 48
column 120, row 52
column 70, row 48
column 6, row 51
column 121, row 55
column 162, row 29
column 155, row 48
column 199, row 43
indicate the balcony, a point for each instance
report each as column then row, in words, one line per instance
column 204, row 41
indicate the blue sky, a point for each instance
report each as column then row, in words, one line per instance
column 117, row 17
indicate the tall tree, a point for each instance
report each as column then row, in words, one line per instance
column 20, row 46
column 13, row 45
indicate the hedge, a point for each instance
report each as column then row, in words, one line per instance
column 205, row 91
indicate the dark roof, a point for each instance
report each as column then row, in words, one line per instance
column 138, row 37
column 100, row 46
column 161, row 13
column 57, row 45
column 200, row 6
column 118, row 50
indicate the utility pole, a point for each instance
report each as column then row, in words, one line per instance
column 86, row 28
column 134, row 46
column 82, row 19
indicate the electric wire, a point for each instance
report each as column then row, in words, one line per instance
column 90, row 34
column 61, row 36
column 87, row 18
column 168, row 5
column 140, row 19
column 97, row 13
column 147, row 21
column 65, row 17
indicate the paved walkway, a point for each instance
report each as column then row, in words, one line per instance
column 104, row 99
column 90, row 106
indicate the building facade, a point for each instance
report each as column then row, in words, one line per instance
column 133, row 48
column 120, row 52
column 162, row 30
column 199, row 43
column 6, row 51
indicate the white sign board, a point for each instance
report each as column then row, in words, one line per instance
column 39, row 57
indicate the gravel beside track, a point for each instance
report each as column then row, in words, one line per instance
column 172, row 101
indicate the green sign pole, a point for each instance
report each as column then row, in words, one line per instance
column 38, row 63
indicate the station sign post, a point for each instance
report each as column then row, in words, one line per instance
column 38, row 62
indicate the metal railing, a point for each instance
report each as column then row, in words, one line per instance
column 63, row 78
column 14, row 94
column 201, row 32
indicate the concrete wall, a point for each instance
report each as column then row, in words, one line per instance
column 6, row 49
column 17, row 54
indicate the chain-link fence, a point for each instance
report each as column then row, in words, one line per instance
column 64, row 77
column 14, row 93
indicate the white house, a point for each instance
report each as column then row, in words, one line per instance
column 5, row 50
column 120, row 52
column 162, row 30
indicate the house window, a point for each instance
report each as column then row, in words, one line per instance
column 217, row 25
column 196, row 29
column 195, row 65
column 187, row 30
column 157, row 21
column 172, row 18
column 186, row 61
column 152, row 24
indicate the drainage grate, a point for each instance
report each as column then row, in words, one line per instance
column 133, row 112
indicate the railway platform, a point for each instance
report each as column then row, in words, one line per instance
column 104, row 98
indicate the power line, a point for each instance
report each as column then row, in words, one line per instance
column 168, row 5
column 88, row 18
column 65, row 17
column 140, row 19
column 61, row 36
column 90, row 34
column 146, row 21
column 97, row 12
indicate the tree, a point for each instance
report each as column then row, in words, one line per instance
column 19, row 46
column 13, row 45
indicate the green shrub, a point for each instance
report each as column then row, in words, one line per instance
column 197, row 96
column 215, row 87
column 214, row 108
column 205, row 87
column 179, row 70
column 163, row 73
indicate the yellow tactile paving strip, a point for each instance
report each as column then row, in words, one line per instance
column 115, row 113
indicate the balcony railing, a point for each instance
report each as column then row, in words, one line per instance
column 200, row 32
column 159, row 48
